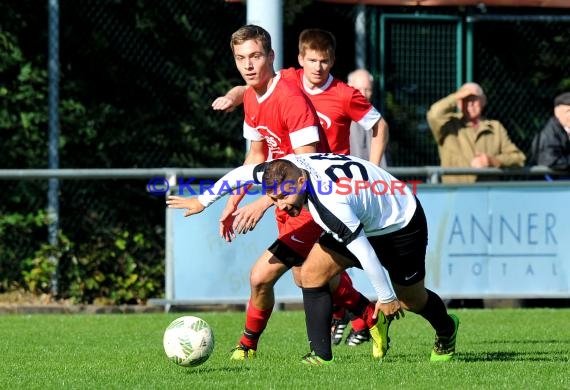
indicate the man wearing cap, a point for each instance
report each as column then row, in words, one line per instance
column 466, row 139
column 554, row 139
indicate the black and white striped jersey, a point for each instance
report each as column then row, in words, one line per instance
column 348, row 193
column 348, row 197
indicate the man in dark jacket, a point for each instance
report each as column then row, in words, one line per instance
column 553, row 148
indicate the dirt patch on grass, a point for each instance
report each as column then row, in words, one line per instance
column 22, row 302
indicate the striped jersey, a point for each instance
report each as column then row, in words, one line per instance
column 348, row 197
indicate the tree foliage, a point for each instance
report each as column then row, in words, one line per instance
column 136, row 81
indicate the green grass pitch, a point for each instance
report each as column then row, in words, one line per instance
column 497, row 349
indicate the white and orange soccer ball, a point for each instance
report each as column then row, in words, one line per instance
column 188, row 341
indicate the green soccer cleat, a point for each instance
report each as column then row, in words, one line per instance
column 379, row 335
column 444, row 347
column 241, row 352
column 311, row 359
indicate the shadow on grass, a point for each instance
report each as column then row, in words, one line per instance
column 537, row 342
column 213, row 370
column 489, row 356
column 498, row 356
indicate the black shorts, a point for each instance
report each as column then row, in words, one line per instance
column 402, row 253
column 285, row 254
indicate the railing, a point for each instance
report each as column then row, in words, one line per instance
column 431, row 173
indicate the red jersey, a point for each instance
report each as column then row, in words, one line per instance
column 283, row 116
column 337, row 105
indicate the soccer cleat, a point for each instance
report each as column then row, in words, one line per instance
column 241, row 352
column 379, row 336
column 355, row 338
column 444, row 347
column 311, row 359
column 338, row 326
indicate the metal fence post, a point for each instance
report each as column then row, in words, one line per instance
column 360, row 37
column 169, row 247
column 53, row 153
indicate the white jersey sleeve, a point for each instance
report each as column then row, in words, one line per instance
column 251, row 133
column 241, row 177
column 369, row 120
column 364, row 252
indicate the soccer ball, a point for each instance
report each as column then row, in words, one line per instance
column 188, row 341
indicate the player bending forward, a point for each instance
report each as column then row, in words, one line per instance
column 366, row 227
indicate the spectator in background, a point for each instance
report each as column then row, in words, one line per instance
column 337, row 105
column 552, row 145
column 360, row 137
column 466, row 138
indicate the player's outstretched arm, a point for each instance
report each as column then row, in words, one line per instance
column 236, row 178
column 192, row 205
column 257, row 154
column 232, row 99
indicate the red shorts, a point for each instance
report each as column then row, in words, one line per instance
column 299, row 233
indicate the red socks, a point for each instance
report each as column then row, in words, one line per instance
column 255, row 322
column 358, row 324
column 348, row 297
column 345, row 295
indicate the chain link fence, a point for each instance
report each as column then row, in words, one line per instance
column 419, row 62
column 521, row 61
column 524, row 71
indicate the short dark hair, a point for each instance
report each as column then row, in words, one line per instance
column 278, row 171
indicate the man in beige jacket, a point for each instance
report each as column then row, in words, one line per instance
column 466, row 139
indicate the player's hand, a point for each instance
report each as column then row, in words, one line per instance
column 227, row 223
column 247, row 217
column 391, row 310
column 191, row 205
column 224, row 103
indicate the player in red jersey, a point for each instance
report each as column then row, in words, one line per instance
column 279, row 120
column 337, row 105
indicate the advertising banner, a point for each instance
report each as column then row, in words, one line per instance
column 485, row 241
